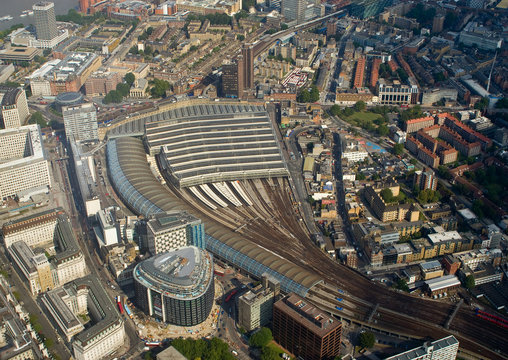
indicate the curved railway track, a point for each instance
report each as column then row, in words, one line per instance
column 271, row 223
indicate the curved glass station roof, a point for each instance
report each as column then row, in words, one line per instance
column 133, row 180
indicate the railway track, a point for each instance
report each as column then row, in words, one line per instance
column 271, row 223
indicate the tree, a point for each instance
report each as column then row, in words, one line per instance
column 360, row 176
column 402, row 285
column 359, row 106
column 159, row 88
column 367, row 339
column 382, row 130
column 482, row 104
column 398, row 149
column 123, row 89
column 130, row 78
column 261, row 338
column 267, row 353
column 469, row 282
column 403, row 76
column 304, row 96
column 314, row 93
column 113, row 97
column 502, row 104
column 335, row 110
column 240, row 37
column 387, row 195
column 37, row 118
column 284, row 26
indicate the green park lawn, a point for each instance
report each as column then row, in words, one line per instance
column 364, row 115
column 272, row 345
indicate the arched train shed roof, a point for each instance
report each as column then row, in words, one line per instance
column 134, row 182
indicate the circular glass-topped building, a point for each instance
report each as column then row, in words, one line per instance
column 177, row 286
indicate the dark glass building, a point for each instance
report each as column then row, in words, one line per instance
column 176, row 286
column 305, row 330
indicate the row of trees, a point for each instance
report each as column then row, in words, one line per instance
column 76, row 18
column 215, row 19
column 308, row 95
column 214, row 349
column 122, row 90
column 377, row 126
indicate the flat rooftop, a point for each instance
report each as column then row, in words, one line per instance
column 215, row 142
column 313, row 318
column 33, row 140
column 161, row 223
column 183, row 273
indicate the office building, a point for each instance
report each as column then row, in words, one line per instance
column 58, row 304
column 14, row 107
column 425, row 179
column 395, row 93
column 107, row 332
column 437, row 23
column 475, row 34
column 108, row 230
column 305, row 330
column 45, row 20
column 23, row 164
column 173, row 230
column 443, row 349
column 247, row 67
column 232, row 85
column 101, row 82
column 49, row 230
column 294, row 10
column 80, row 122
column 255, row 307
column 176, row 287
column 67, row 75
column 367, row 8
column 35, row 268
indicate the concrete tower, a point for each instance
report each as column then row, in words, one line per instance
column 45, row 20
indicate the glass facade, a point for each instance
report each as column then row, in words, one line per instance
column 129, row 193
column 176, row 311
column 140, row 203
column 252, row 266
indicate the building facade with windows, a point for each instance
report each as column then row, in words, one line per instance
column 80, row 122
column 305, row 330
column 14, row 107
column 177, row 286
column 174, row 230
column 23, row 164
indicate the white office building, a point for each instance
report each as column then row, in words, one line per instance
column 23, row 164
column 443, row 349
column 108, row 232
column 174, row 230
column 80, row 122
column 14, row 107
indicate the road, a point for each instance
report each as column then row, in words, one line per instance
column 89, row 248
column 31, row 307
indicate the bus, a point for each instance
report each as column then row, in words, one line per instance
column 231, row 294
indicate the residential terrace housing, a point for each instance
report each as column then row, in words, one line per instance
column 389, row 212
column 437, row 143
